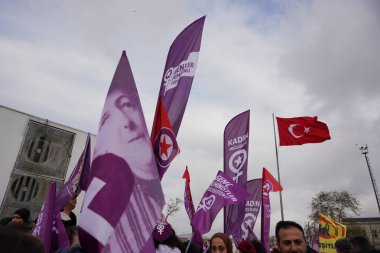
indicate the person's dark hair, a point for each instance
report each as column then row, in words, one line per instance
column 193, row 248
column 24, row 214
column 5, row 221
column 360, row 244
column 172, row 241
column 21, row 227
column 286, row 225
column 14, row 241
column 258, row 246
column 343, row 245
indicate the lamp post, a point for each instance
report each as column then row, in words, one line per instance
column 364, row 151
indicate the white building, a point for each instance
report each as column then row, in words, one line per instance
column 33, row 153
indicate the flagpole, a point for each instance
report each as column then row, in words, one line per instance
column 188, row 245
column 278, row 167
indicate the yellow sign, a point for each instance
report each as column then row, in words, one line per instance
column 329, row 232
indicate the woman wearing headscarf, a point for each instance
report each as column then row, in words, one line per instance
column 220, row 243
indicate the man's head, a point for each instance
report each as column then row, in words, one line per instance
column 21, row 215
column 359, row 244
column 290, row 237
column 343, row 245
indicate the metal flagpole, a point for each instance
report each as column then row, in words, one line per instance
column 278, row 167
column 364, row 151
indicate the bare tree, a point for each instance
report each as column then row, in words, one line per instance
column 333, row 204
column 173, row 206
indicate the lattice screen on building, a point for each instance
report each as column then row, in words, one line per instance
column 43, row 158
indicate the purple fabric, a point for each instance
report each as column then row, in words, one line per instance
column 162, row 231
column 252, row 207
column 314, row 243
column 265, row 218
column 60, row 238
column 222, row 191
column 124, row 199
column 49, row 227
column 236, row 142
column 78, row 179
column 188, row 200
column 175, row 87
column 44, row 226
column 189, row 206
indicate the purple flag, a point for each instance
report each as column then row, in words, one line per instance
column 236, row 142
column 222, row 191
column 252, row 207
column 78, row 179
column 314, row 243
column 174, row 92
column 124, row 198
column 189, row 206
column 49, row 227
column 269, row 184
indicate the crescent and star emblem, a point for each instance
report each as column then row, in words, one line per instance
column 290, row 129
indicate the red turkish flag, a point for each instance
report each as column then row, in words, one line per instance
column 301, row 130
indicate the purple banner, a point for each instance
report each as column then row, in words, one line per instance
column 189, row 206
column 314, row 243
column 78, row 179
column 188, row 199
column 252, row 207
column 176, row 83
column 236, row 142
column 269, row 184
column 49, row 227
column 124, row 199
column 222, row 191
column 265, row 221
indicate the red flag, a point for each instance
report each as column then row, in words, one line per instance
column 186, row 175
column 301, row 130
column 272, row 184
column 163, row 139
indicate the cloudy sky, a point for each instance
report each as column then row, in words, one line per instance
column 290, row 58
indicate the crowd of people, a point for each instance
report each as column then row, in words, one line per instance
column 16, row 237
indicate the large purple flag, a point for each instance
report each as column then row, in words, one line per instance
column 252, row 208
column 78, row 179
column 124, row 198
column 236, row 142
column 49, row 227
column 177, row 79
column 222, row 191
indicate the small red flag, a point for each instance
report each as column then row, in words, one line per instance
column 270, row 184
column 301, row 130
column 186, row 175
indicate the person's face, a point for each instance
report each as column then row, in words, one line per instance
column 16, row 219
column 218, row 246
column 291, row 241
column 123, row 132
